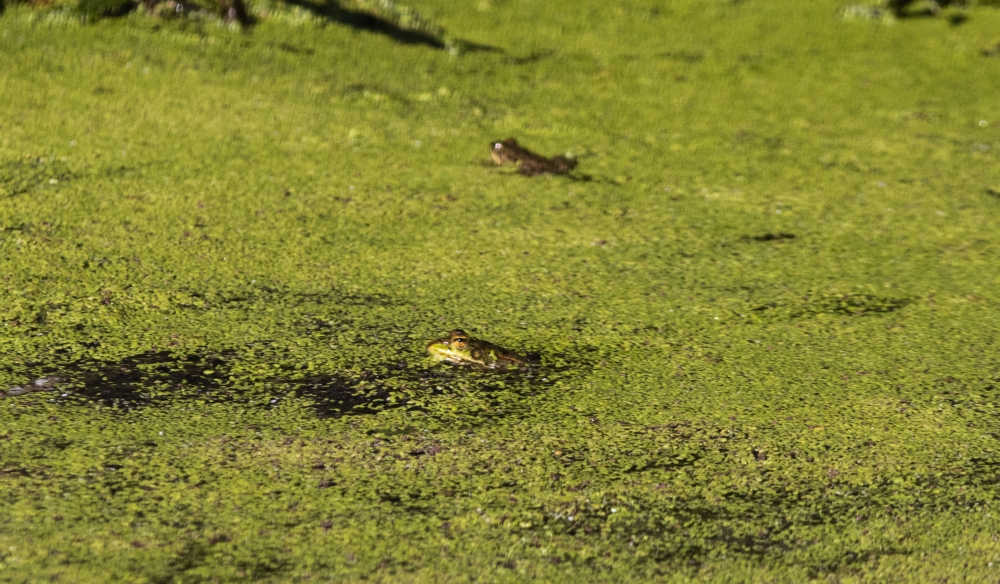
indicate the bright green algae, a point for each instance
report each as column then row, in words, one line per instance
column 314, row 203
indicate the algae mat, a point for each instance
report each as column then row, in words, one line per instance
column 768, row 322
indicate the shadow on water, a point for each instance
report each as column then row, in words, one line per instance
column 371, row 391
column 769, row 237
column 905, row 9
column 229, row 10
column 335, row 395
column 357, row 19
column 32, row 173
column 157, row 379
column 834, row 304
column 137, row 381
column 366, row 21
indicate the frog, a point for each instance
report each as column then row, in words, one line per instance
column 458, row 348
column 510, row 152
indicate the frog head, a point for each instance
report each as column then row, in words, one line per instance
column 505, row 151
column 457, row 348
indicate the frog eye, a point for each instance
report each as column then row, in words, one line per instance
column 459, row 339
column 497, row 145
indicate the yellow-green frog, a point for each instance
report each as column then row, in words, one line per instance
column 458, row 348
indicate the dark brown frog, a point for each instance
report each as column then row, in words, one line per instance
column 510, row 152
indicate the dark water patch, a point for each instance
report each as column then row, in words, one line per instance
column 533, row 57
column 769, row 237
column 957, row 18
column 20, row 227
column 850, row 305
column 18, row 471
column 250, row 296
column 335, row 395
column 32, row 173
column 198, row 551
column 683, row 56
column 368, row 90
column 290, row 48
column 368, row 392
column 812, row 305
column 119, row 170
column 410, row 500
column 343, row 298
column 106, row 8
column 366, row 21
column 137, row 381
column 397, row 385
column 914, row 9
column 457, row 46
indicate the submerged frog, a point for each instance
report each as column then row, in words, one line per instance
column 458, row 348
column 509, row 152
